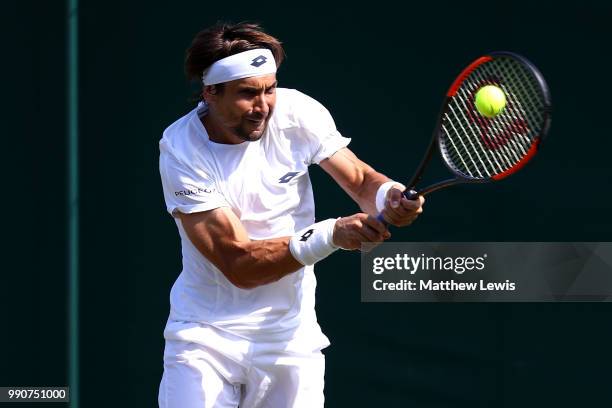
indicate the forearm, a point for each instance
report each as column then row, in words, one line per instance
column 254, row 263
column 358, row 179
column 221, row 238
column 246, row 263
column 366, row 191
column 363, row 186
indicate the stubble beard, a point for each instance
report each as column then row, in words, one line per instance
column 251, row 135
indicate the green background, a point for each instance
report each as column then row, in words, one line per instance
column 381, row 69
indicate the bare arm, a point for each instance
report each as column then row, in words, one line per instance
column 361, row 182
column 220, row 236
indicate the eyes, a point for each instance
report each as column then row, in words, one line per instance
column 253, row 92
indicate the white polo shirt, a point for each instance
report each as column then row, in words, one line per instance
column 266, row 184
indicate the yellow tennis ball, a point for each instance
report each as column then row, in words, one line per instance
column 490, row 101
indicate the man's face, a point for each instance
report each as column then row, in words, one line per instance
column 244, row 107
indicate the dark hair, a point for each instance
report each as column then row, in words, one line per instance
column 223, row 40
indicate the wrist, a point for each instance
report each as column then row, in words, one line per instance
column 314, row 242
column 381, row 193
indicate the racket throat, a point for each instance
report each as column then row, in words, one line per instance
column 410, row 193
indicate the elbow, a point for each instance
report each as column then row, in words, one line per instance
column 248, row 268
column 248, row 277
column 236, row 273
column 234, row 276
column 238, row 280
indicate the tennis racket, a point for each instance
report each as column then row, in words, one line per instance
column 478, row 149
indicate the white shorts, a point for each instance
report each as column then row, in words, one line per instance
column 229, row 371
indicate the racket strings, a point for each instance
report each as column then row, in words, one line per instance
column 477, row 148
column 468, row 142
column 493, row 135
column 480, row 147
column 509, row 134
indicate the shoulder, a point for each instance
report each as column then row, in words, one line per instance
column 293, row 108
column 182, row 137
column 294, row 99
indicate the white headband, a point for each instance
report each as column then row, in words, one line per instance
column 243, row 65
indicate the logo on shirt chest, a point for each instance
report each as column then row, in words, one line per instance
column 287, row 177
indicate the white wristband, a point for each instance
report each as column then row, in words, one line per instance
column 381, row 194
column 313, row 243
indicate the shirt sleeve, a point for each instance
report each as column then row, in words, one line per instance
column 187, row 190
column 320, row 128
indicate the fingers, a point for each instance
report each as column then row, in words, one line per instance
column 351, row 231
column 374, row 224
column 367, row 234
column 414, row 204
column 375, row 235
column 405, row 212
column 372, row 229
column 407, row 207
column 394, row 197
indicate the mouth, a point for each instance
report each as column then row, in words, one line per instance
column 256, row 120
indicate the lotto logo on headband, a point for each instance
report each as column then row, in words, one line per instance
column 259, row 61
column 245, row 64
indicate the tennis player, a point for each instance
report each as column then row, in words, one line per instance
column 242, row 329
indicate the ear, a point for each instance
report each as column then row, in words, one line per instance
column 209, row 93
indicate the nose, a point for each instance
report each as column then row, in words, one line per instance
column 261, row 106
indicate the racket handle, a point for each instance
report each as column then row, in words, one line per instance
column 409, row 194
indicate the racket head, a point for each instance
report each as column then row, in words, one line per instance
column 478, row 149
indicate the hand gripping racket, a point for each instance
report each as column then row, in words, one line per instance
column 478, row 149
